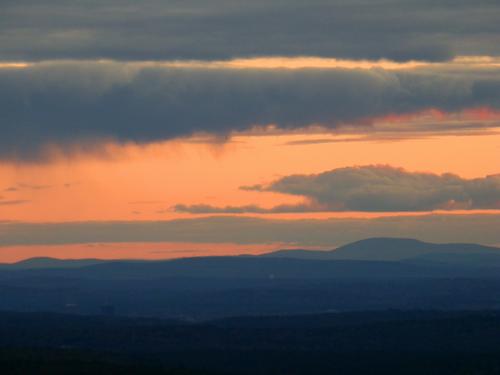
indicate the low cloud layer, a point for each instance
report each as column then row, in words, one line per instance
column 222, row 29
column 82, row 104
column 374, row 189
column 240, row 230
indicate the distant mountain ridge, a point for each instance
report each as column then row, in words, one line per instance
column 371, row 274
column 47, row 262
column 395, row 254
column 395, row 249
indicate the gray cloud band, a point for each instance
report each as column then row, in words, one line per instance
column 84, row 103
column 222, row 29
column 330, row 232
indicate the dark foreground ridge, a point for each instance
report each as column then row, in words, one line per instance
column 378, row 306
column 384, row 342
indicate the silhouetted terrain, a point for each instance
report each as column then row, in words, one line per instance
column 394, row 249
column 379, row 306
column 419, row 276
column 34, row 263
column 390, row 342
column 372, row 249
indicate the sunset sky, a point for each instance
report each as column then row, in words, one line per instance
column 167, row 129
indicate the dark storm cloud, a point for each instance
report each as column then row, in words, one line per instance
column 330, row 232
column 222, row 29
column 81, row 104
column 373, row 189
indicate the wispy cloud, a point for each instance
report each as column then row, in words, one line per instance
column 254, row 209
column 23, row 186
column 13, row 202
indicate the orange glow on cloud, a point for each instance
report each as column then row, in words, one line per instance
column 437, row 116
column 294, row 62
column 13, row 65
column 262, row 63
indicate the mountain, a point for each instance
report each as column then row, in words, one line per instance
column 415, row 275
column 45, row 262
column 372, row 250
column 240, row 268
column 301, row 254
column 260, row 268
column 393, row 249
column 400, row 249
column 388, row 257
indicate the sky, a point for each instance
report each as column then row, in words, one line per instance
column 186, row 128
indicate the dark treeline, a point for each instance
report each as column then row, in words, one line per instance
column 390, row 342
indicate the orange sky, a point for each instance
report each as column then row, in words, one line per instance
column 142, row 183
column 72, row 88
column 131, row 182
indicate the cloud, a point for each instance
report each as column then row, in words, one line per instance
column 255, row 209
column 222, row 29
column 23, row 186
column 244, row 230
column 80, row 105
column 373, row 189
column 425, row 124
column 384, row 188
column 12, row 202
